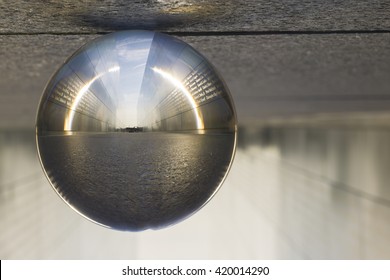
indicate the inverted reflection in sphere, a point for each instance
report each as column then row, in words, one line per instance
column 136, row 130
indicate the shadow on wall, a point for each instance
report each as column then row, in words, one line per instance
column 138, row 15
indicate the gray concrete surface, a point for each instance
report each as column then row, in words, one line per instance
column 268, row 75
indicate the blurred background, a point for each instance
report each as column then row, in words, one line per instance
column 310, row 81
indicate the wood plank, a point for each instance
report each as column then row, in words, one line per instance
column 67, row 16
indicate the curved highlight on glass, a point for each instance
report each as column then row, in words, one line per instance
column 136, row 131
column 69, row 118
column 190, row 98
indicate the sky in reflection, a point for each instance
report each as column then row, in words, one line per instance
column 136, row 79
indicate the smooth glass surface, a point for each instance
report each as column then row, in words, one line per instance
column 136, row 130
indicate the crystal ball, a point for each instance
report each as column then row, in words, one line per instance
column 136, row 130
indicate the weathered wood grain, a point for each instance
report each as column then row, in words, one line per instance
column 68, row 16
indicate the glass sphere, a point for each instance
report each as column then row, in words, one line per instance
column 136, row 130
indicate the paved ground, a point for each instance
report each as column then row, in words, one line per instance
column 140, row 180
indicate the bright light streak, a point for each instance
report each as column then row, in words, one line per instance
column 69, row 118
column 179, row 85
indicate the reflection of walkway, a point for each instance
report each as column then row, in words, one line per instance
column 137, row 180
